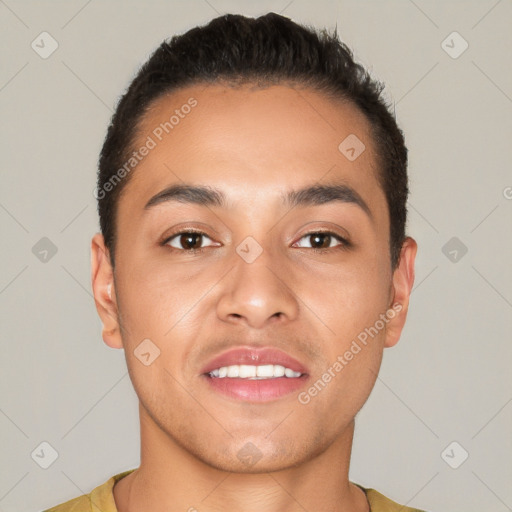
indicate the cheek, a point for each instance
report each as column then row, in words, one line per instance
column 154, row 296
column 356, row 300
column 348, row 299
column 351, row 307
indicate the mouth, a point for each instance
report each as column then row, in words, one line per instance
column 255, row 375
column 252, row 372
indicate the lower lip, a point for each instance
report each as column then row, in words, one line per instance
column 257, row 390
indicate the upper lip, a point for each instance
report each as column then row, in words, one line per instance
column 254, row 356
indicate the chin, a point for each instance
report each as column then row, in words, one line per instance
column 255, row 457
column 266, row 464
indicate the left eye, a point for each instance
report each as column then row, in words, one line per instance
column 322, row 240
column 188, row 241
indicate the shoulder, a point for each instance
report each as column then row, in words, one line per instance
column 100, row 498
column 380, row 503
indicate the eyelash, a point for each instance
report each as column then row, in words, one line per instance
column 344, row 243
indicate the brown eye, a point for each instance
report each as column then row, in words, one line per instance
column 322, row 240
column 187, row 241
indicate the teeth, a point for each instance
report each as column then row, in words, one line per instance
column 233, row 371
column 279, row 370
column 246, row 371
column 265, row 370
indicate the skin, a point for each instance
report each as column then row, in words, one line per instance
column 254, row 145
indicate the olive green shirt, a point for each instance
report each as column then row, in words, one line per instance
column 101, row 499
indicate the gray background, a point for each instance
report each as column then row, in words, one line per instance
column 449, row 377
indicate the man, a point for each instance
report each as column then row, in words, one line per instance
column 253, row 265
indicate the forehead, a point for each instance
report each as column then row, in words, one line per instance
column 251, row 141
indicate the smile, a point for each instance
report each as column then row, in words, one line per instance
column 253, row 372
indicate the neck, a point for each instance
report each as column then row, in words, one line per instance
column 171, row 478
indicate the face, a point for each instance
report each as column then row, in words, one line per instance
column 246, row 274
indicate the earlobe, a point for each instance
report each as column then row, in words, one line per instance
column 102, row 277
column 403, row 281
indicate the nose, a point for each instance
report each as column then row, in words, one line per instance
column 257, row 293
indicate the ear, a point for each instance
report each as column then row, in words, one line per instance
column 102, row 276
column 401, row 287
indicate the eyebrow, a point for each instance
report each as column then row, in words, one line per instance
column 308, row 196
